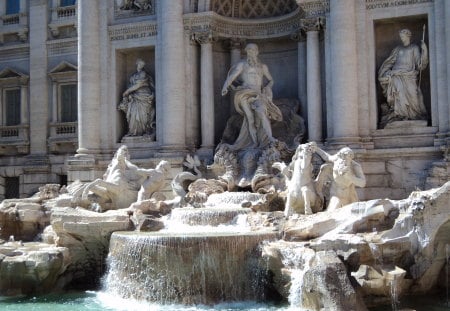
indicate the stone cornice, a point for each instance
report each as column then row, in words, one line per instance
column 227, row 27
column 381, row 4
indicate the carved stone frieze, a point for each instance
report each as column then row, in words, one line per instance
column 132, row 31
column 224, row 27
column 314, row 8
column 379, row 4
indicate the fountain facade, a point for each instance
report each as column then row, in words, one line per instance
column 262, row 214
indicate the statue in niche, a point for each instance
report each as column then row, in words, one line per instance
column 343, row 174
column 123, row 183
column 248, row 147
column 253, row 100
column 399, row 77
column 138, row 102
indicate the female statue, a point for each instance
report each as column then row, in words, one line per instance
column 137, row 102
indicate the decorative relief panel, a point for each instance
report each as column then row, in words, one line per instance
column 133, row 8
column 62, row 46
column 132, row 31
column 250, row 9
column 224, row 27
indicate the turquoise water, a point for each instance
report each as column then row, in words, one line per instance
column 101, row 301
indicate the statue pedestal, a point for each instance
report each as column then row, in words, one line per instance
column 406, row 124
column 403, row 134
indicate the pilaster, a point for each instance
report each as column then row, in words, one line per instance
column 344, row 81
column 170, row 39
column 88, row 77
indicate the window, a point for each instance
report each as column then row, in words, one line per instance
column 63, row 180
column 68, row 103
column 12, row 7
column 12, row 187
column 12, row 107
column 67, row 2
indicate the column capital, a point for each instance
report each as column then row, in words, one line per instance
column 299, row 35
column 312, row 24
column 203, row 37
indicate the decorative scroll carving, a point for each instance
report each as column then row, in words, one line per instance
column 224, row 27
column 203, row 38
column 379, row 4
column 313, row 24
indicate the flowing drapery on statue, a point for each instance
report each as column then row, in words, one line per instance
column 398, row 76
column 253, row 100
column 137, row 102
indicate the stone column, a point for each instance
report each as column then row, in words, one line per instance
column 313, row 85
column 447, row 40
column 170, row 39
column 441, row 72
column 236, row 45
column 88, row 77
column 38, row 78
column 344, row 76
column 300, row 37
column 206, row 93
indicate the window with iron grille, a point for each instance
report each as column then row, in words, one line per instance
column 66, row 2
column 12, row 187
column 12, row 7
column 12, row 107
column 68, row 103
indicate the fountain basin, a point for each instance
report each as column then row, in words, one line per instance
column 194, row 268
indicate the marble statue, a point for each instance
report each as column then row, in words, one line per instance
column 301, row 193
column 124, row 183
column 136, row 5
column 343, row 173
column 253, row 100
column 138, row 102
column 399, row 77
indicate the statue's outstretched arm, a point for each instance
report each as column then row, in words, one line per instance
column 359, row 178
column 234, row 72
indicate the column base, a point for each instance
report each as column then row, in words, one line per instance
column 206, row 152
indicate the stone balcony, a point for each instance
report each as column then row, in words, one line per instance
column 14, row 139
column 63, row 137
column 13, row 25
column 62, row 17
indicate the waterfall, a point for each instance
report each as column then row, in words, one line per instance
column 298, row 260
column 394, row 294
column 193, row 268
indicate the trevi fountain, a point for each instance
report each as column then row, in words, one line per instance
column 268, row 218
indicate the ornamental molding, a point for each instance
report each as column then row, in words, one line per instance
column 62, row 46
column 231, row 28
column 313, row 24
column 132, row 31
column 382, row 4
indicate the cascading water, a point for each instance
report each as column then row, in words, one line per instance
column 187, row 269
column 194, row 267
